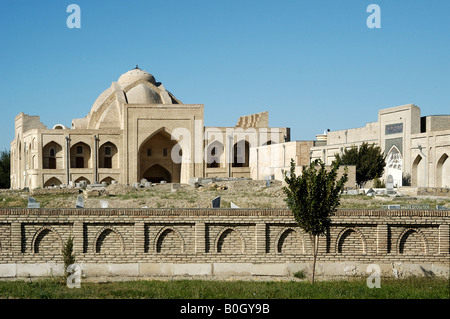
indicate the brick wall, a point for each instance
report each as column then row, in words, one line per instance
column 221, row 236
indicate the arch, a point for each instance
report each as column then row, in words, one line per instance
column 214, row 152
column 156, row 174
column 46, row 241
column 53, row 181
column 351, row 241
column 418, row 171
column 106, row 241
column 157, row 149
column 82, row 178
column 290, row 239
column 443, row 171
column 394, row 165
column 80, row 155
column 230, row 241
column 241, row 154
column 269, row 143
column 52, row 156
column 108, row 154
column 107, row 179
column 412, row 242
column 169, row 240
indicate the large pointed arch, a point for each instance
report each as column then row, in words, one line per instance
column 443, row 171
column 52, row 156
column 394, row 165
column 155, row 157
column 418, row 171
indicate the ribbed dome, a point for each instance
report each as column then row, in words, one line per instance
column 135, row 75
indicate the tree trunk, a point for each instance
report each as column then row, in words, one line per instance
column 315, row 244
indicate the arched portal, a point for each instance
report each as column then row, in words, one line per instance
column 156, row 174
column 394, row 164
column 418, row 172
column 155, row 159
column 443, row 171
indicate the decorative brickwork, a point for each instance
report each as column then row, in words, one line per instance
column 220, row 237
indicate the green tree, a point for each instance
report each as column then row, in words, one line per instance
column 313, row 197
column 5, row 169
column 368, row 159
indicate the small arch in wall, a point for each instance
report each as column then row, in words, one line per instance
column 82, row 178
column 107, row 180
column 46, row 241
column 53, row 181
column 412, row 242
column 169, row 240
column 290, row 239
column 351, row 241
column 230, row 241
column 107, row 239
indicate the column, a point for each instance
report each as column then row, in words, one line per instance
column 382, row 239
column 260, row 238
column 139, row 237
column 200, row 237
column 444, row 239
column 16, row 238
column 78, row 238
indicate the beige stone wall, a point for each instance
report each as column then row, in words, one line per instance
column 422, row 142
column 143, row 242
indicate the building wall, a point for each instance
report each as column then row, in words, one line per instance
column 167, row 242
column 416, row 147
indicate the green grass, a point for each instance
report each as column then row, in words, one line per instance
column 412, row 288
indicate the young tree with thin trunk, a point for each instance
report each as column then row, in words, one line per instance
column 313, row 197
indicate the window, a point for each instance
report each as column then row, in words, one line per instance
column 164, row 151
column 107, row 150
column 149, row 152
column 79, row 149
column 52, row 152
column 108, row 162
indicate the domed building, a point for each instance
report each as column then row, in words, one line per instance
column 136, row 130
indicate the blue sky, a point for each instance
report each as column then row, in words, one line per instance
column 314, row 65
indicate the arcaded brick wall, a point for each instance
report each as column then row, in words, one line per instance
column 221, row 235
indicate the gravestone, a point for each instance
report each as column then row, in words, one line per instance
column 233, row 205
column 216, row 202
column 390, row 185
column 32, row 203
column 80, row 202
column 370, row 192
column 103, row 204
column 143, row 181
column 174, row 187
column 441, row 207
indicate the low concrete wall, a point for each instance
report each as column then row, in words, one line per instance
column 221, row 242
